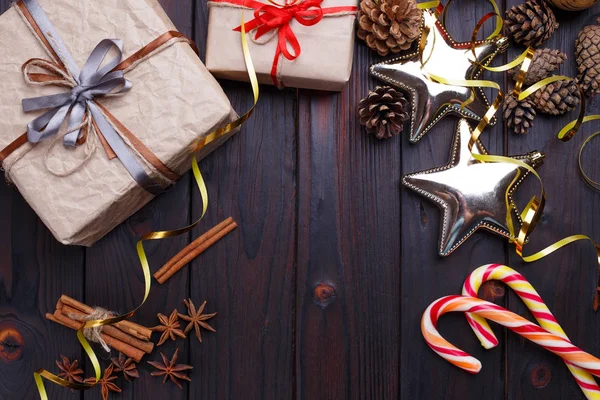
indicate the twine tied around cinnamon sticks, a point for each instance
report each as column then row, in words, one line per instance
column 94, row 334
column 129, row 338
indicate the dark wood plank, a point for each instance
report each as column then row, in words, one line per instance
column 34, row 270
column 565, row 280
column 349, row 244
column 113, row 275
column 425, row 276
column 248, row 277
column 114, row 280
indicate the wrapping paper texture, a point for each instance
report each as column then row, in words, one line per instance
column 174, row 101
column 325, row 62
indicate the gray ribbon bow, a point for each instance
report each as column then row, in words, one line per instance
column 93, row 81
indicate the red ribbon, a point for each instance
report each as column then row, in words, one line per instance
column 278, row 17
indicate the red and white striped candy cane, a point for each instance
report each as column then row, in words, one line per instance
column 536, row 305
column 512, row 321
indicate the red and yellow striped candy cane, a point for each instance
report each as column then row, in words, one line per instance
column 521, row 287
column 551, row 342
column 534, row 303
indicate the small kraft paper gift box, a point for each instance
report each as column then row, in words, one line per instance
column 303, row 44
column 103, row 106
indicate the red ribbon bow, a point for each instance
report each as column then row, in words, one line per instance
column 269, row 17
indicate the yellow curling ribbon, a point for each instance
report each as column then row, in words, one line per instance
column 496, row 13
column 423, row 43
column 525, row 60
column 428, row 4
column 571, row 125
column 478, row 26
column 517, row 61
column 42, row 373
column 569, row 130
column 538, row 85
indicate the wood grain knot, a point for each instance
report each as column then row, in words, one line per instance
column 541, row 376
column 11, row 344
column 324, row 294
column 492, row 290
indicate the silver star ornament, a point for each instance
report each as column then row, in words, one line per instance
column 443, row 57
column 471, row 193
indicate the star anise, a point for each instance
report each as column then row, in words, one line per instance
column 69, row 370
column 125, row 365
column 170, row 369
column 169, row 327
column 196, row 318
column 106, row 383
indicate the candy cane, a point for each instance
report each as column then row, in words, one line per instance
column 512, row 321
column 534, row 302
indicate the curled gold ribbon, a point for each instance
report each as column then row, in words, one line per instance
column 42, row 373
column 428, row 4
column 569, row 130
column 496, row 13
column 443, row 10
column 573, row 124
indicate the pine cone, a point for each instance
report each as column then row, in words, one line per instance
column 518, row 115
column 544, row 62
column 530, row 23
column 587, row 50
column 389, row 25
column 557, row 97
column 383, row 112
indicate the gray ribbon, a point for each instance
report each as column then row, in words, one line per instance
column 94, row 80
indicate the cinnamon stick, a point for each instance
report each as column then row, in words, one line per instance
column 116, row 344
column 196, row 252
column 145, row 346
column 189, row 248
column 135, row 330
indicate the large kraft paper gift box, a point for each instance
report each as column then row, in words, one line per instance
column 322, row 29
column 173, row 102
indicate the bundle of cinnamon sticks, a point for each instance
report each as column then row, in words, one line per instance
column 129, row 338
column 194, row 249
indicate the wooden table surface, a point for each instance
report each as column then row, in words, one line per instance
column 320, row 291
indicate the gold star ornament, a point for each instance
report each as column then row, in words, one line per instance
column 471, row 193
column 442, row 57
